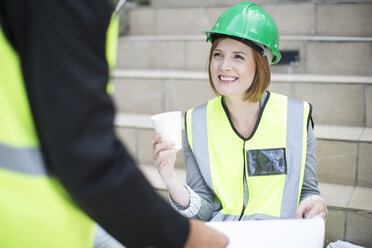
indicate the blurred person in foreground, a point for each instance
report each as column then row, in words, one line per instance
column 62, row 169
column 250, row 153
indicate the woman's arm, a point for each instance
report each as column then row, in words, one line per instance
column 310, row 183
column 200, row 198
column 164, row 156
column 311, row 203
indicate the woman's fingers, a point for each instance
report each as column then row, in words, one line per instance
column 160, row 146
column 315, row 210
column 311, row 208
column 301, row 210
column 165, row 163
column 162, row 150
column 318, row 208
column 165, row 154
column 155, row 140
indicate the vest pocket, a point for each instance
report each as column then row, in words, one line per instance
column 266, row 162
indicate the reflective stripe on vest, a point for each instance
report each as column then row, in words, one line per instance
column 222, row 157
column 24, row 160
column 35, row 210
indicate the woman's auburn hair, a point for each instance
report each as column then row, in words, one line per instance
column 261, row 78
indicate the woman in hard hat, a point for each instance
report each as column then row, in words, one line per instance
column 250, row 153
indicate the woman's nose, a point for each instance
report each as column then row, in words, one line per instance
column 225, row 65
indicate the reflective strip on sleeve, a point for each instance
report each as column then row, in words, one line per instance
column 23, row 160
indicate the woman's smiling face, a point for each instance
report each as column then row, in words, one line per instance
column 232, row 67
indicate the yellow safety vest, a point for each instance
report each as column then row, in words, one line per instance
column 268, row 167
column 35, row 210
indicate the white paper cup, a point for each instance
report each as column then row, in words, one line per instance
column 168, row 124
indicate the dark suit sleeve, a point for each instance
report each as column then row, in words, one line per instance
column 62, row 49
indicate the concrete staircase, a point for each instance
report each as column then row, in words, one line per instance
column 162, row 67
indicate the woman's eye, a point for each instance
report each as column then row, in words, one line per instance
column 239, row 57
column 217, row 55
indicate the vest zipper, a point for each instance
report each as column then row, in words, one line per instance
column 245, row 185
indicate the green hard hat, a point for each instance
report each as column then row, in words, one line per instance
column 249, row 22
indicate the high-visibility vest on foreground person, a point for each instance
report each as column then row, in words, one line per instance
column 35, row 209
column 31, row 199
column 61, row 164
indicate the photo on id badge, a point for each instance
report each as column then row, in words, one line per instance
column 265, row 162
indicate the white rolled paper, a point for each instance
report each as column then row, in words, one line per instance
column 295, row 233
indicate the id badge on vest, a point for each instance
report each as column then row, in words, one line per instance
column 266, row 162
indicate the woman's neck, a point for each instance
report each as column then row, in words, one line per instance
column 243, row 114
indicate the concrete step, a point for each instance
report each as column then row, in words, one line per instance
column 343, row 153
column 320, row 17
column 349, row 207
column 336, row 100
column 333, row 55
